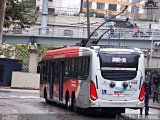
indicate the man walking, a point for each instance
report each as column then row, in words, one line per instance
column 146, row 100
column 155, row 91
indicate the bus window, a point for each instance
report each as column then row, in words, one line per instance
column 73, row 72
column 79, row 68
column 56, row 71
column 67, row 71
column 119, row 66
column 86, row 72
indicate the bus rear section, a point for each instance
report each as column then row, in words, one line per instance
column 118, row 80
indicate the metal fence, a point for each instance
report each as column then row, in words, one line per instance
column 81, row 32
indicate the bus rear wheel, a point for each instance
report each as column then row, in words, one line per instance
column 74, row 105
column 46, row 96
column 67, row 103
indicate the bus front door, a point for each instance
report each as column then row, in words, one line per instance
column 52, row 74
column 61, row 78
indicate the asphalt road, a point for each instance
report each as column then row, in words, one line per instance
column 27, row 105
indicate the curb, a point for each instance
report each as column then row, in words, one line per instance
column 153, row 106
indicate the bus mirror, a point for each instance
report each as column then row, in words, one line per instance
column 38, row 69
column 67, row 74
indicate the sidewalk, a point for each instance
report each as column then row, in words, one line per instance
column 18, row 90
column 153, row 105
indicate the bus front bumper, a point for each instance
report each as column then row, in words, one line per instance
column 124, row 104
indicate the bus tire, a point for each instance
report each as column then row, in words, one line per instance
column 74, row 105
column 67, row 102
column 46, row 96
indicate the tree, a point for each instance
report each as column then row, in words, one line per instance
column 20, row 13
column 2, row 8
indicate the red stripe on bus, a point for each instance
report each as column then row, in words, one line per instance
column 62, row 53
column 70, row 85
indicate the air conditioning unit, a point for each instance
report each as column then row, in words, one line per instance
column 157, row 44
column 33, row 47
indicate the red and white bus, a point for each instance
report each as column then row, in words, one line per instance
column 107, row 79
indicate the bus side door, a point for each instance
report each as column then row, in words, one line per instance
column 61, row 79
column 52, row 76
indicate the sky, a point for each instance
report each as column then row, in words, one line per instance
column 71, row 3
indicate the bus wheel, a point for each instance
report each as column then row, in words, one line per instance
column 46, row 96
column 67, row 104
column 74, row 105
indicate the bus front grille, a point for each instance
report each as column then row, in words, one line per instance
column 118, row 74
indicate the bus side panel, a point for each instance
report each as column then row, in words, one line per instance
column 83, row 94
column 70, row 86
column 55, row 89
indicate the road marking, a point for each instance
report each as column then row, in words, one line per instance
column 14, row 110
column 14, row 96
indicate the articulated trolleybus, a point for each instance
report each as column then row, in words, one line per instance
column 107, row 79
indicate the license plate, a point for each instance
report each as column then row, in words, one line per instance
column 118, row 93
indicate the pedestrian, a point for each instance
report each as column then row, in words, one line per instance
column 155, row 91
column 135, row 30
column 112, row 30
column 146, row 99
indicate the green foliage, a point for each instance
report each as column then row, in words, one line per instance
column 147, row 19
column 20, row 13
column 22, row 53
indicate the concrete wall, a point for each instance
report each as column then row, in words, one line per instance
column 155, row 63
column 25, row 80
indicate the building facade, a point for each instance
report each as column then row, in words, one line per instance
column 59, row 6
column 152, row 9
column 113, row 7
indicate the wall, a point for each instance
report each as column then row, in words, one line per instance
column 25, row 80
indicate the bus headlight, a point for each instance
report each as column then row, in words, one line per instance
column 112, row 84
column 125, row 84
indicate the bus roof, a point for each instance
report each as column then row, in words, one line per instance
column 62, row 53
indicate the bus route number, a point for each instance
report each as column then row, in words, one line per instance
column 119, row 60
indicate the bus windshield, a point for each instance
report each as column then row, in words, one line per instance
column 115, row 66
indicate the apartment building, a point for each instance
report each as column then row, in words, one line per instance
column 153, row 12
column 60, row 6
column 113, row 7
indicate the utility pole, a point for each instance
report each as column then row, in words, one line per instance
column 81, row 6
column 151, row 38
column 88, row 20
column 2, row 13
column 44, row 17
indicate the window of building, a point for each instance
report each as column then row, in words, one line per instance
column 112, row 7
column 101, row 6
column 37, row 9
column 134, row 10
column 51, row 10
column 85, row 4
column 122, row 7
column 68, row 33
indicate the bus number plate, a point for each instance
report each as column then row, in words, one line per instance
column 119, row 60
column 118, row 93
